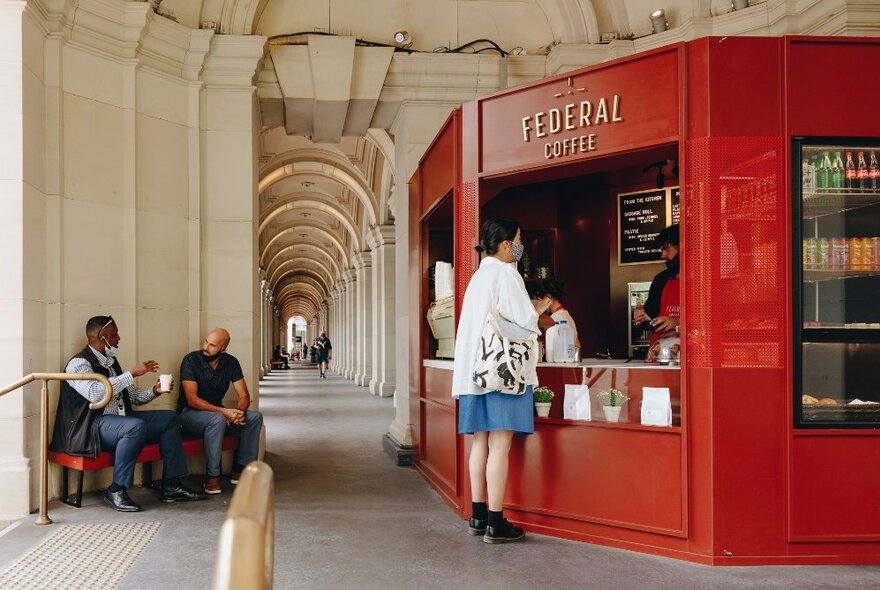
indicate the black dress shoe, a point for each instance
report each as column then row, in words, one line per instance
column 181, row 494
column 477, row 526
column 503, row 533
column 120, row 501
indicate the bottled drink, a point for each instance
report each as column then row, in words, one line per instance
column 837, row 172
column 823, row 254
column 867, row 254
column 839, row 253
column 856, row 248
column 874, row 172
column 809, row 177
column 810, row 253
column 863, row 171
column 851, row 175
column 823, row 176
column 875, row 252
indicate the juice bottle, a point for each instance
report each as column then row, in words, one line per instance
column 823, row 256
column 810, row 253
column 856, row 248
column 875, row 252
column 867, row 254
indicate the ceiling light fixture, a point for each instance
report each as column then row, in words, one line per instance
column 658, row 20
column 403, row 39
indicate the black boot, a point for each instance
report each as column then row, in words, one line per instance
column 479, row 519
column 499, row 530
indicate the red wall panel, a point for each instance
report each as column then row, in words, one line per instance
column 833, row 86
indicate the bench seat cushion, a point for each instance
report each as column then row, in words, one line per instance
column 191, row 447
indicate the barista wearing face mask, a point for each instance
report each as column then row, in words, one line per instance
column 553, row 291
column 662, row 310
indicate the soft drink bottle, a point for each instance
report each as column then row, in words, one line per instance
column 823, row 256
column 809, row 177
column 855, row 253
column 874, row 172
column 823, row 176
column 867, row 254
column 863, row 171
column 851, row 175
column 837, row 172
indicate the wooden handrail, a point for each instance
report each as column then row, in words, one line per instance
column 44, row 422
column 246, row 553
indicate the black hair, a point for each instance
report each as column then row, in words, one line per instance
column 495, row 231
column 94, row 325
column 668, row 236
column 553, row 288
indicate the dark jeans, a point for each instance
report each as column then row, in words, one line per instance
column 211, row 426
column 127, row 435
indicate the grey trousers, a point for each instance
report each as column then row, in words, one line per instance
column 212, row 426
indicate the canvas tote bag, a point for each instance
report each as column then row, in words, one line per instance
column 507, row 354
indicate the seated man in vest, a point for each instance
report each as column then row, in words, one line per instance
column 116, row 428
column 205, row 376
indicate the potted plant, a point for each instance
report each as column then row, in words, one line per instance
column 612, row 402
column 543, row 397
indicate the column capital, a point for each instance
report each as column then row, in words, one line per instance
column 361, row 260
column 380, row 235
column 232, row 61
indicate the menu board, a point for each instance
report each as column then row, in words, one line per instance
column 641, row 216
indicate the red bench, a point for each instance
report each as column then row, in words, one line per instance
column 192, row 447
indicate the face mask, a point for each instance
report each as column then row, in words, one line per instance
column 517, row 253
column 672, row 265
column 109, row 351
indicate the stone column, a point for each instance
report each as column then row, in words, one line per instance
column 229, row 135
column 364, row 361
column 22, row 406
column 382, row 347
column 351, row 328
column 413, row 129
column 262, row 335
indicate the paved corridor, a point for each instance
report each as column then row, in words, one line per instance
column 347, row 517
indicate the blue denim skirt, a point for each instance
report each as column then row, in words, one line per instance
column 497, row 411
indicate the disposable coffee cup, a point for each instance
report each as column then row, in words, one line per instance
column 165, row 382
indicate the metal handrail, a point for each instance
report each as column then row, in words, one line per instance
column 246, row 553
column 44, row 422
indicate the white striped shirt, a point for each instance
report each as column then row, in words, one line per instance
column 94, row 390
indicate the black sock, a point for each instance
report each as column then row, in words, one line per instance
column 237, row 467
column 115, row 487
column 480, row 510
column 173, row 482
column 496, row 518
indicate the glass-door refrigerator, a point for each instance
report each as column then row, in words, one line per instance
column 836, row 282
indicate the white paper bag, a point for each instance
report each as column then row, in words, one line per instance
column 577, row 403
column 656, row 406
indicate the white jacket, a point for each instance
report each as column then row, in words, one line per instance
column 513, row 304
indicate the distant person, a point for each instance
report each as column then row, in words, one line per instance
column 205, row 376
column 323, row 352
column 117, row 428
column 493, row 417
column 279, row 357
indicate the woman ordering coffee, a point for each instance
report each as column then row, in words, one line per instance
column 493, row 417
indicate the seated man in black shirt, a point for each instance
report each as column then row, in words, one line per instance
column 205, row 376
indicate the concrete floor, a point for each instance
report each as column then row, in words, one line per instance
column 348, row 518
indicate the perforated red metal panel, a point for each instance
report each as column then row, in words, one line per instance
column 467, row 217
column 735, row 243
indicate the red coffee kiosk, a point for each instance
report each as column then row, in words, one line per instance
column 764, row 150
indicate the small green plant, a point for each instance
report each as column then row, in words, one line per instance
column 612, row 397
column 543, row 395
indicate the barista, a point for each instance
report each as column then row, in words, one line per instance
column 553, row 291
column 662, row 310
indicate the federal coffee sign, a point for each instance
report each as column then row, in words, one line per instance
column 577, row 116
column 603, row 110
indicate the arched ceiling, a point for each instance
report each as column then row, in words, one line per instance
column 326, row 159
